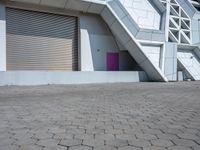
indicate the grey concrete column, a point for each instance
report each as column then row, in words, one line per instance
column 2, row 38
column 170, row 63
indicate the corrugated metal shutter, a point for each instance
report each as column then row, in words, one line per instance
column 41, row 41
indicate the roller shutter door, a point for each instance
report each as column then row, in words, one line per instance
column 41, row 41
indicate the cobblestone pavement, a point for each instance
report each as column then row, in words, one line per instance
column 134, row 116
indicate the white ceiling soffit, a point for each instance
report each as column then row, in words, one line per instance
column 92, row 6
column 28, row 1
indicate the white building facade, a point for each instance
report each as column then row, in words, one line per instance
column 98, row 41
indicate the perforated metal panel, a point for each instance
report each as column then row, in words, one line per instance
column 41, row 41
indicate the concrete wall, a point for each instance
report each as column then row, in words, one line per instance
column 144, row 13
column 2, row 38
column 96, row 40
column 62, row 77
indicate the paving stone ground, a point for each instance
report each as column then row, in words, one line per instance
column 133, row 116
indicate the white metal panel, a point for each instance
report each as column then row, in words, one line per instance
column 143, row 12
column 153, row 53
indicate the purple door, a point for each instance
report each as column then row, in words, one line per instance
column 112, row 61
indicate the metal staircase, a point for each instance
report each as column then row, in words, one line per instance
column 125, row 30
column 189, row 59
